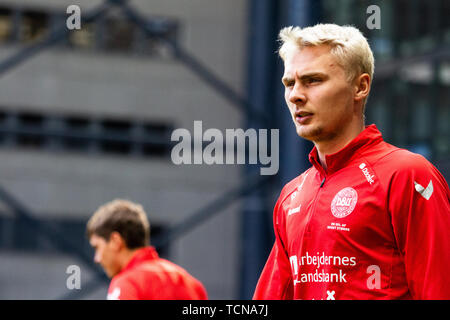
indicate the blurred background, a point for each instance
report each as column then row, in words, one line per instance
column 86, row 116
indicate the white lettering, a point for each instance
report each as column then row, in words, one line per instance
column 74, row 280
column 74, row 21
column 214, row 147
column 294, row 210
column 237, row 139
column 294, row 265
column 365, row 171
column 373, row 21
column 344, row 201
column 374, row 280
column 181, row 152
column 199, row 310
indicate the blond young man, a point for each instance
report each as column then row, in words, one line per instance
column 119, row 232
column 368, row 220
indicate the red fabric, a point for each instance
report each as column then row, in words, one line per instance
column 148, row 277
column 362, row 230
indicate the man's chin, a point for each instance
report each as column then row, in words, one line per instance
column 308, row 133
column 109, row 273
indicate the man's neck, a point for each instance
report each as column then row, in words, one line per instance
column 325, row 148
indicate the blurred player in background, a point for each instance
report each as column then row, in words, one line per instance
column 368, row 220
column 120, row 234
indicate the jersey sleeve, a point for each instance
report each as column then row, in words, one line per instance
column 275, row 282
column 419, row 205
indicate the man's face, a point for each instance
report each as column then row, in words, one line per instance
column 105, row 254
column 319, row 97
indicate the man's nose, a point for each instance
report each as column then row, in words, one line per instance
column 97, row 257
column 297, row 95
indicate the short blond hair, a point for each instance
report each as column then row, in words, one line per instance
column 347, row 43
column 122, row 216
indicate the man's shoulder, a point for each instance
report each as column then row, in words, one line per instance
column 153, row 268
column 402, row 160
column 124, row 284
column 292, row 185
column 145, row 279
column 138, row 277
column 143, row 269
column 403, row 167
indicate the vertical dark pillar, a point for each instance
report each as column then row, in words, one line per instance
column 265, row 92
column 255, row 227
column 293, row 149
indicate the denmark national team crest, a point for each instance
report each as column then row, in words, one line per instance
column 344, row 202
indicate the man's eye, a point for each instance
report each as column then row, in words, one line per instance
column 313, row 80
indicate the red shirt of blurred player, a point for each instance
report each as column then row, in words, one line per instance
column 119, row 234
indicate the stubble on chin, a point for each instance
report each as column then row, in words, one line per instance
column 315, row 133
column 311, row 133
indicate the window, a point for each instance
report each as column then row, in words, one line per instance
column 6, row 25
column 34, row 26
column 111, row 33
column 84, row 134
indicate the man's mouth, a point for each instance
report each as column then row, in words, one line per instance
column 303, row 116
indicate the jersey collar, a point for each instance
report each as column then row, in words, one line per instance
column 336, row 161
column 143, row 254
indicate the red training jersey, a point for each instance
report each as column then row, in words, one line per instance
column 374, row 226
column 148, row 277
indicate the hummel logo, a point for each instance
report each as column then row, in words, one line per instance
column 424, row 192
column 299, row 188
column 295, row 210
column 330, row 295
column 369, row 177
column 293, row 195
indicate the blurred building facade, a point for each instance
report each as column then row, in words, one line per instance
column 410, row 99
column 60, row 110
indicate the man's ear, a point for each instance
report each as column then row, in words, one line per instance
column 362, row 86
column 116, row 241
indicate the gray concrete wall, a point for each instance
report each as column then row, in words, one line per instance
column 55, row 184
